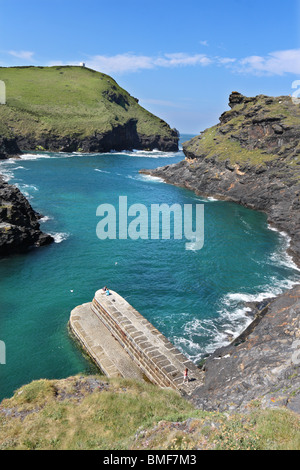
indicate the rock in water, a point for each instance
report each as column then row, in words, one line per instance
column 19, row 223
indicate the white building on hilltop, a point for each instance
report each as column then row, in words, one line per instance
column 2, row 92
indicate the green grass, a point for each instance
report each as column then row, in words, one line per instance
column 124, row 414
column 213, row 144
column 69, row 100
column 222, row 141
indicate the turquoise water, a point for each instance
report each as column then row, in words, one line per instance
column 194, row 297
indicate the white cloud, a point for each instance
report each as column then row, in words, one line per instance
column 181, row 59
column 120, row 63
column 275, row 63
column 204, row 43
column 225, row 60
column 25, row 55
column 128, row 62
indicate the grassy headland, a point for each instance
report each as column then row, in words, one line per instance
column 256, row 131
column 73, row 108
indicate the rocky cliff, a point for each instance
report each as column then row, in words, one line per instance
column 19, row 223
column 76, row 109
column 8, row 147
column 252, row 157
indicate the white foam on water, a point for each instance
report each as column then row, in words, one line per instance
column 231, row 321
column 32, row 156
column 6, row 174
column 37, row 156
column 234, row 311
column 59, row 237
column 102, row 171
column 282, row 257
column 8, row 161
column 145, row 178
column 186, row 344
column 80, row 154
column 274, row 229
column 28, row 186
column 241, row 297
column 7, row 168
column 150, row 178
column 148, row 153
column 194, row 330
column 45, row 219
column 26, row 189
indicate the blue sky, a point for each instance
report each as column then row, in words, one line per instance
column 181, row 59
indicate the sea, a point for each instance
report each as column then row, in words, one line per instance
column 196, row 297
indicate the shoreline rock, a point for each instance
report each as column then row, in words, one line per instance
column 261, row 366
column 9, row 148
column 125, row 137
column 19, row 223
column 249, row 160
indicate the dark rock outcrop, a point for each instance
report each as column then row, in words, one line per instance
column 19, row 223
column 9, row 147
column 252, row 157
column 122, row 137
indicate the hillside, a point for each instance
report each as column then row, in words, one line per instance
column 70, row 108
column 93, row 412
column 256, row 131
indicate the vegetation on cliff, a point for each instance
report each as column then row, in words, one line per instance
column 256, row 130
column 94, row 412
column 70, row 108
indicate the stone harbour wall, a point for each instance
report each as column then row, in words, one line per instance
column 147, row 349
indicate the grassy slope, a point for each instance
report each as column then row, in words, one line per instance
column 122, row 414
column 225, row 146
column 69, row 100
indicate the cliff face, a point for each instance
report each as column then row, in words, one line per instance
column 76, row 109
column 267, row 127
column 19, row 223
column 8, row 147
column 252, row 157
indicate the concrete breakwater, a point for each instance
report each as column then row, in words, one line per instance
column 124, row 343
